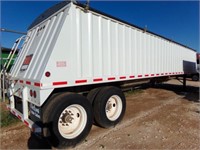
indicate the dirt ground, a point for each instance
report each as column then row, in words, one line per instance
column 162, row 117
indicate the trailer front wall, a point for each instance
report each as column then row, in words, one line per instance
column 95, row 46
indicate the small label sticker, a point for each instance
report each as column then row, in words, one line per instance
column 61, row 64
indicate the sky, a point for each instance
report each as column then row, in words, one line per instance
column 176, row 20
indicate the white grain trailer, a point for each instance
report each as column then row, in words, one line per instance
column 70, row 51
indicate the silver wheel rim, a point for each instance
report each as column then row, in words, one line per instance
column 113, row 107
column 72, row 121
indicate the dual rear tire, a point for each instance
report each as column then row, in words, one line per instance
column 67, row 120
column 109, row 106
column 68, row 117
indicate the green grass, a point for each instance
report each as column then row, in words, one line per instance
column 132, row 92
column 6, row 118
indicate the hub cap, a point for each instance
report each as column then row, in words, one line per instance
column 72, row 121
column 113, row 107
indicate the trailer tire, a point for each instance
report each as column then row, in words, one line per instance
column 67, row 120
column 92, row 95
column 195, row 77
column 109, row 107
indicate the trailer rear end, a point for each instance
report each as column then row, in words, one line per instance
column 71, row 52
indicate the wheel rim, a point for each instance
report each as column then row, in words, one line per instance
column 113, row 107
column 72, row 121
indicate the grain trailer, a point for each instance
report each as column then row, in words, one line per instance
column 69, row 72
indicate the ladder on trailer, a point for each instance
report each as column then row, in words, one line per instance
column 4, row 74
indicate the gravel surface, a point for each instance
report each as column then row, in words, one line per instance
column 162, row 117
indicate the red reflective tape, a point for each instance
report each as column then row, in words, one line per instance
column 38, row 84
column 146, row 75
column 28, row 82
column 21, row 81
column 131, row 76
column 123, row 77
column 157, row 74
column 81, row 81
column 139, row 76
column 26, row 122
column 60, row 83
column 166, row 73
column 162, row 73
column 111, row 78
column 97, row 79
column 19, row 117
column 13, row 112
column 152, row 74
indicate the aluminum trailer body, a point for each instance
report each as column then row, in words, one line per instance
column 69, row 47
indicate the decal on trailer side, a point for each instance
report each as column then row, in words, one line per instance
column 61, row 64
column 35, row 111
column 26, row 62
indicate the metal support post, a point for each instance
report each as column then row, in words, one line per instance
column 3, row 87
column 0, row 76
column 184, row 82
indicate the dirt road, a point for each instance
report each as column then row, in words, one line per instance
column 163, row 117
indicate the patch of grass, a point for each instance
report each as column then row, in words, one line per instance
column 6, row 118
column 134, row 91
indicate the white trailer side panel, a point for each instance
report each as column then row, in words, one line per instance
column 97, row 47
column 78, row 48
